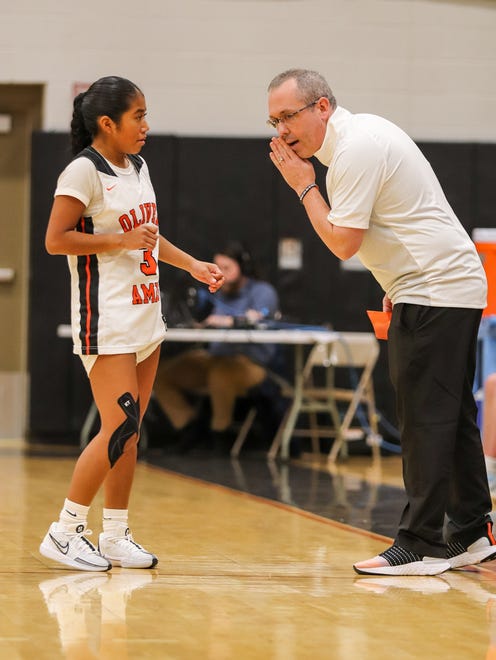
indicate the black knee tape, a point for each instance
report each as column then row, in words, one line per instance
column 128, row 428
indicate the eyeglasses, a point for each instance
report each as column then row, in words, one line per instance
column 287, row 118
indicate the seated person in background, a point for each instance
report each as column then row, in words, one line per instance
column 223, row 371
column 489, row 431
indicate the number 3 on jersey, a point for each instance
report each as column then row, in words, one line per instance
column 149, row 264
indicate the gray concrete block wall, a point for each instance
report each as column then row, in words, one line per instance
column 204, row 65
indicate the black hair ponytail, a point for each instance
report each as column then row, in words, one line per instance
column 80, row 136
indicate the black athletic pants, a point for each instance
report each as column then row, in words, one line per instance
column 432, row 354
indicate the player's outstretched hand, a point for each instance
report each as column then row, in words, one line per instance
column 208, row 273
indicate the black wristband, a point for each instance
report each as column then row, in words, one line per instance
column 305, row 190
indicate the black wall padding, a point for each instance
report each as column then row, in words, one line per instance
column 211, row 190
column 484, row 185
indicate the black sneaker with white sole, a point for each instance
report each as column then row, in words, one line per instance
column 400, row 561
column 483, row 549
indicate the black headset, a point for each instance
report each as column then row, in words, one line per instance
column 237, row 251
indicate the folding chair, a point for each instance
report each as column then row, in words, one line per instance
column 272, row 394
column 274, row 388
column 352, row 352
column 243, row 431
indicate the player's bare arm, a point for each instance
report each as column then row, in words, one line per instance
column 62, row 239
column 203, row 271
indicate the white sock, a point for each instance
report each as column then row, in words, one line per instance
column 115, row 521
column 72, row 515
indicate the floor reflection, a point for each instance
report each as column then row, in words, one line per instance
column 362, row 501
column 90, row 609
column 94, row 618
column 466, row 581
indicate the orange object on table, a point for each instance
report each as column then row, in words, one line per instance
column 380, row 322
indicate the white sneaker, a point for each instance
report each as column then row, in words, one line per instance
column 73, row 549
column 124, row 551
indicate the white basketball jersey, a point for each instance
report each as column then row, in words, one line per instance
column 115, row 296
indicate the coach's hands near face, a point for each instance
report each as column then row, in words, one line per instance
column 297, row 172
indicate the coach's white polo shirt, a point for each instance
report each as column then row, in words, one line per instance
column 415, row 246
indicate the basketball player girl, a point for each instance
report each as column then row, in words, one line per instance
column 104, row 217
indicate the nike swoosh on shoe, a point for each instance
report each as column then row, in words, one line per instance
column 64, row 549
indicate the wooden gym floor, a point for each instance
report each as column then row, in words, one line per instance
column 255, row 562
